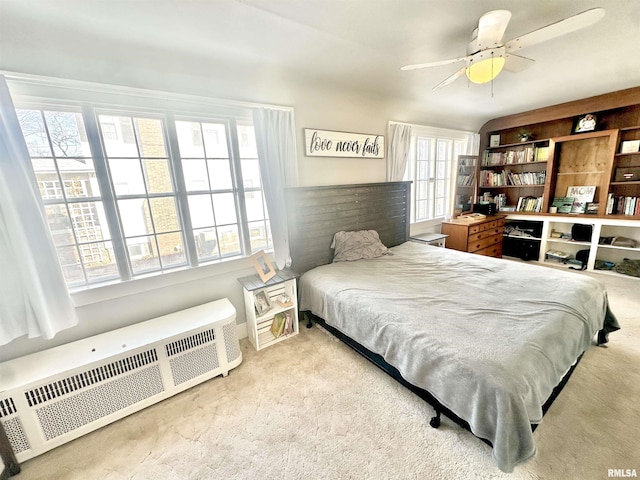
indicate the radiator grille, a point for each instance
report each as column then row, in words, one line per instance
column 7, row 407
column 187, row 343
column 231, row 343
column 74, row 411
column 15, row 434
column 79, row 381
column 194, row 363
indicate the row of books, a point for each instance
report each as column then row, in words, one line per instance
column 529, row 204
column 282, row 324
column 489, row 178
column 466, row 180
column 619, row 205
column 508, row 157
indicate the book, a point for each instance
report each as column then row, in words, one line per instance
column 563, row 204
column 279, row 322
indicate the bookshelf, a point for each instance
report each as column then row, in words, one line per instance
column 465, row 183
column 552, row 233
column 268, row 298
column 607, row 158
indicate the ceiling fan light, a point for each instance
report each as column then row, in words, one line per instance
column 485, row 70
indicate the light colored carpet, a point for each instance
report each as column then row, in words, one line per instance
column 311, row 408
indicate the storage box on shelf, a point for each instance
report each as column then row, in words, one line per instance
column 277, row 296
column 522, row 239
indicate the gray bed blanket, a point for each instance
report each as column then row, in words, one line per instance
column 488, row 338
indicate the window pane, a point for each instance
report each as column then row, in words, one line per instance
column 165, row 214
column 258, row 234
column 255, row 206
column 35, row 136
column 439, row 211
column 251, row 174
column 157, row 175
column 134, row 215
column 224, row 208
column 143, row 254
column 67, row 134
column 201, row 210
column 118, row 137
column 151, row 137
column 59, row 224
column 247, row 141
column 219, row 174
column 127, row 176
column 229, row 240
column 89, row 221
column 423, row 170
column 47, row 178
column 81, row 182
column 195, row 175
column 215, row 140
column 99, row 261
column 171, row 249
column 206, row 243
column 71, row 268
column 190, row 139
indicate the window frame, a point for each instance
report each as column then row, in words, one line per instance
column 436, row 134
column 90, row 112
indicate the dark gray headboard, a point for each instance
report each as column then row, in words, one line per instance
column 316, row 213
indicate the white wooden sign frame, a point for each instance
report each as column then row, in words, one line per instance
column 329, row 143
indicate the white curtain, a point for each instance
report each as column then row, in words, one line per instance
column 34, row 300
column 279, row 169
column 398, row 151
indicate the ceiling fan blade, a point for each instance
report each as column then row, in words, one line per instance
column 516, row 63
column 433, row 64
column 491, row 28
column 568, row 25
column 451, row 78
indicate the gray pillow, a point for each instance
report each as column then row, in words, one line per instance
column 349, row 246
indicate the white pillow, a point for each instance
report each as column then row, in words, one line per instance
column 349, row 246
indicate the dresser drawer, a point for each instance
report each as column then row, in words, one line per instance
column 486, row 233
column 492, row 251
column 485, row 242
column 481, row 227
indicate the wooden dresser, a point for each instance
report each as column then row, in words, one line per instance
column 483, row 237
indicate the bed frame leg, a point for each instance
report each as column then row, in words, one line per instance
column 308, row 317
column 435, row 421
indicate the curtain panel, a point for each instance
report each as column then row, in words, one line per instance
column 277, row 156
column 398, row 151
column 34, row 299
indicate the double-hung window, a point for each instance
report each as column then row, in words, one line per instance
column 431, row 166
column 131, row 192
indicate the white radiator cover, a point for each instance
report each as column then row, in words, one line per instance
column 54, row 396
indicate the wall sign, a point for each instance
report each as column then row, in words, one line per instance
column 327, row 143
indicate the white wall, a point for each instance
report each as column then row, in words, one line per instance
column 316, row 106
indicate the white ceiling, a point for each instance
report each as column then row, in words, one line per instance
column 355, row 44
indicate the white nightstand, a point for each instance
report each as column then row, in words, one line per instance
column 437, row 239
column 268, row 296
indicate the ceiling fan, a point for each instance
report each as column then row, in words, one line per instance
column 487, row 53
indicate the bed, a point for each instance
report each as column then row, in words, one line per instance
column 487, row 341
